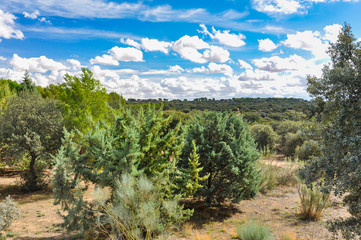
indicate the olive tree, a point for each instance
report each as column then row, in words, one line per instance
column 338, row 93
column 31, row 126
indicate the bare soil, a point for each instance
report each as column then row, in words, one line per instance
column 278, row 209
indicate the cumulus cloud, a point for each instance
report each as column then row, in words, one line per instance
column 155, row 45
column 176, row 69
column 75, row 64
column 117, row 54
column 332, row 32
column 309, row 41
column 104, row 60
column 187, row 47
column 149, row 45
column 7, row 26
column 2, row 59
column 244, row 64
column 266, row 45
column 214, row 68
column 41, row 64
column 278, row 64
column 226, row 38
column 33, row 15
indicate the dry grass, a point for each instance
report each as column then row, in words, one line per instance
column 187, row 229
column 288, row 236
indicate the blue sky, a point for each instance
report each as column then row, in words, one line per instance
column 175, row 49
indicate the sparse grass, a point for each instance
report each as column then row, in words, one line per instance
column 187, row 229
column 288, row 236
column 313, row 201
column 253, row 230
column 202, row 236
column 273, row 175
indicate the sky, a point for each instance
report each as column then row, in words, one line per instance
column 175, row 49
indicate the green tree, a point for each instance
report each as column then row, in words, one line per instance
column 227, row 153
column 338, row 93
column 32, row 126
column 28, row 85
column 264, row 136
column 5, row 95
column 83, row 97
column 139, row 142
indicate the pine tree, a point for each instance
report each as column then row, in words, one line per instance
column 28, row 85
column 139, row 142
column 227, row 153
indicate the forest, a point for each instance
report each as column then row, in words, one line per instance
column 159, row 168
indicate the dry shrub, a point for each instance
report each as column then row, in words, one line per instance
column 202, row 236
column 313, row 201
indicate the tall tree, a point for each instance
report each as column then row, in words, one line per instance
column 33, row 126
column 83, row 96
column 338, row 93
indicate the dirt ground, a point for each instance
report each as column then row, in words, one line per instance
column 278, row 209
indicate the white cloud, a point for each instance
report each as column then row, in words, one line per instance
column 7, row 25
column 244, row 64
column 104, row 60
column 332, row 32
column 33, row 15
column 214, row 68
column 309, row 41
column 187, row 47
column 130, row 42
column 155, row 45
column 2, row 59
column 126, row 54
column 117, row 54
column 278, row 6
column 266, row 45
column 75, row 63
column 43, row 19
column 226, row 38
column 41, row 64
column 176, row 69
column 216, row 54
column 277, row 64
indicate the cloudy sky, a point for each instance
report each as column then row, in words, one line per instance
column 175, row 49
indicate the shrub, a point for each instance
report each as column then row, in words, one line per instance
column 8, row 213
column 293, row 140
column 312, row 200
column 264, row 136
column 309, row 149
column 252, row 230
column 137, row 211
column 138, row 143
column 287, row 127
column 227, row 153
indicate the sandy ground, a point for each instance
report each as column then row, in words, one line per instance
column 278, row 209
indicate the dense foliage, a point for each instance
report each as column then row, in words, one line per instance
column 227, row 153
column 32, row 126
column 139, row 143
column 338, row 97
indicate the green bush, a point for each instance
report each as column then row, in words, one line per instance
column 293, row 140
column 138, row 210
column 252, row 230
column 309, row 149
column 264, row 136
column 8, row 213
column 227, row 153
column 312, row 200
